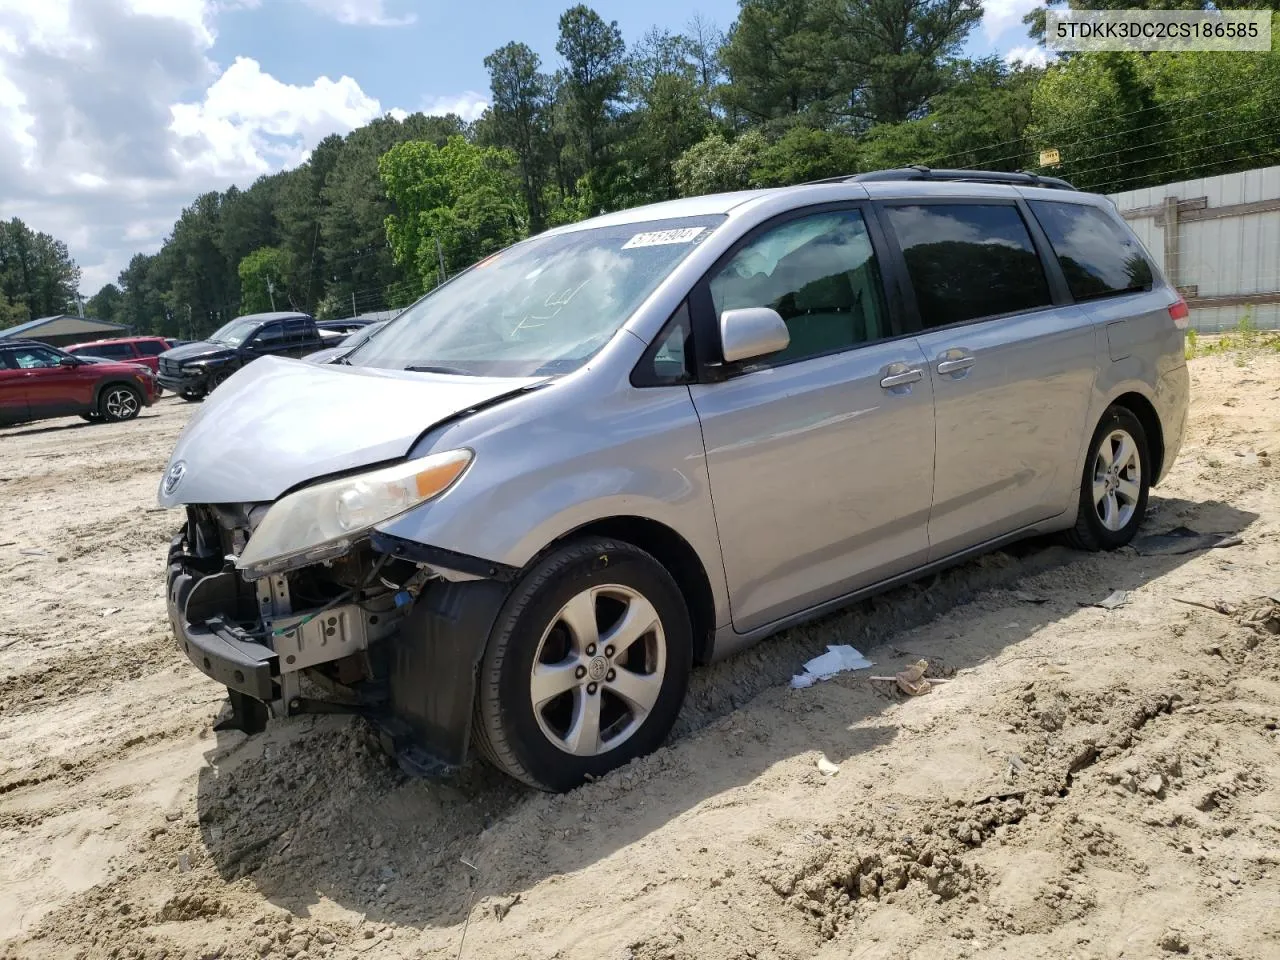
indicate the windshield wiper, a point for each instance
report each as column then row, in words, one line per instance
column 455, row 371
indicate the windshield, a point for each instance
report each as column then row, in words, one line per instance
column 363, row 334
column 542, row 307
column 234, row 333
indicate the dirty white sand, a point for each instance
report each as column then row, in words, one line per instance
column 1090, row 784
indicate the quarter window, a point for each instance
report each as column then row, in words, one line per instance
column 968, row 261
column 1099, row 257
column 820, row 273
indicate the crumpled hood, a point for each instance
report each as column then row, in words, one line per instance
column 200, row 350
column 278, row 422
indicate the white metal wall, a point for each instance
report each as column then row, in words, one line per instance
column 1223, row 257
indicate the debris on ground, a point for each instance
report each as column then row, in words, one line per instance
column 1116, row 598
column 1182, row 540
column 826, row 767
column 912, row 680
column 837, row 659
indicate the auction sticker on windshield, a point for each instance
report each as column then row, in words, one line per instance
column 657, row 238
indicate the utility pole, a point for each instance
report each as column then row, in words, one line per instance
column 440, row 255
column 271, row 292
column 353, row 304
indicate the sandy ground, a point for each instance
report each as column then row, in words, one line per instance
column 1091, row 783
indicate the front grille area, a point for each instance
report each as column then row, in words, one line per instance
column 170, row 368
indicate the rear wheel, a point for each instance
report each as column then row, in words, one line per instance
column 118, row 402
column 586, row 667
column 91, row 417
column 1115, row 485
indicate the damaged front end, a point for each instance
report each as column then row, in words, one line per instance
column 388, row 629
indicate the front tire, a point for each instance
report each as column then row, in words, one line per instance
column 192, row 396
column 119, row 402
column 586, row 667
column 1115, row 485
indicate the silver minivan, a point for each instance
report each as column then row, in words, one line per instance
column 542, row 494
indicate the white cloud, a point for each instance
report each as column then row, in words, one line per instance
column 250, row 123
column 113, row 118
column 362, row 13
column 469, row 105
column 1001, row 16
column 1030, row 56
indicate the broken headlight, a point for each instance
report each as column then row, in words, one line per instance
column 322, row 521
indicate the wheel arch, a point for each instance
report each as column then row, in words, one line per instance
column 1145, row 411
column 102, row 387
column 671, row 550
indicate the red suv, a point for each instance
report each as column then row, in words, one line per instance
column 38, row 381
column 143, row 350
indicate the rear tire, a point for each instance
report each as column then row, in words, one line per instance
column 1115, row 483
column 557, row 701
column 119, row 402
column 92, row 417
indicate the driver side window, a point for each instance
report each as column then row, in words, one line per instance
column 34, row 358
column 820, row 273
column 272, row 335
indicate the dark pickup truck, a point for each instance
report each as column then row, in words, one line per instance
column 193, row 370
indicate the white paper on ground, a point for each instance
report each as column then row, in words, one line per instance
column 837, row 659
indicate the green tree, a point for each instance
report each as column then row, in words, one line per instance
column 803, row 154
column 37, row 274
column 980, row 121
column 262, row 280
column 718, row 164
column 519, row 117
column 464, row 197
column 12, row 314
column 1101, row 113
column 144, row 283
column 894, row 55
column 107, row 304
column 670, row 115
column 591, row 84
column 778, row 57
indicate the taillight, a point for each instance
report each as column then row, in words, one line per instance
column 1180, row 314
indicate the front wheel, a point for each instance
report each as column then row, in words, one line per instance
column 192, row 396
column 586, row 667
column 119, row 402
column 1115, row 485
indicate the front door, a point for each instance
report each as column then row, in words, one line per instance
column 1012, row 372
column 54, row 390
column 820, row 456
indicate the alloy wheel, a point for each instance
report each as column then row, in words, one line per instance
column 121, row 404
column 1117, row 480
column 598, row 670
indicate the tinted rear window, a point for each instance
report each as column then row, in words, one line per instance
column 109, row 351
column 969, row 260
column 151, row 348
column 1098, row 256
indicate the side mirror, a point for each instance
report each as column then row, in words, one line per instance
column 752, row 332
column 68, row 362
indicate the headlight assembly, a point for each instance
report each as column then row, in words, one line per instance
column 322, row 521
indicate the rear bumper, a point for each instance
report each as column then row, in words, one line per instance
column 1172, row 401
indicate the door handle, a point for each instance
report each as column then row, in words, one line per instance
column 899, row 375
column 956, row 365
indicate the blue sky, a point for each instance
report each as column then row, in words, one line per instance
column 115, row 114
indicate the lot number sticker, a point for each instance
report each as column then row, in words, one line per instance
column 659, row 237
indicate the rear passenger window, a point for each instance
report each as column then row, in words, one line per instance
column 969, row 260
column 110, row 351
column 820, row 273
column 1098, row 256
column 151, row 348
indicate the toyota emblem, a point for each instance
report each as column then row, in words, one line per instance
column 174, row 477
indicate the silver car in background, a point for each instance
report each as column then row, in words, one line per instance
column 523, row 511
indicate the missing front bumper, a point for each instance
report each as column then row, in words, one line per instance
column 418, row 683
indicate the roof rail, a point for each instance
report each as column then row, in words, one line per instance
column 955, row 176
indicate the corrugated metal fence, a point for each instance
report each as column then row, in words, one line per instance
column 1218, row 240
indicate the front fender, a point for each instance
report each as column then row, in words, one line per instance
column 540, row 473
